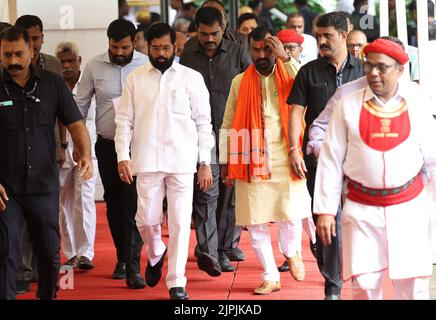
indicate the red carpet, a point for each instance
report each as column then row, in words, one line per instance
column 97, row 284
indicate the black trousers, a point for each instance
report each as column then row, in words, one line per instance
column 121, row 203
column 226, row 218
column 328, row 257
column 204, row 213
column 41, row 213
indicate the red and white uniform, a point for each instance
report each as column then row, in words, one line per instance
column 381, row 146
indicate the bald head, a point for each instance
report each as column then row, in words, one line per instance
column 356, row 40
column 180, row 42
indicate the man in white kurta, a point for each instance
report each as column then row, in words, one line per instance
column 164, row 116
column 278, row 198
column 379, row 138
column 77, row 213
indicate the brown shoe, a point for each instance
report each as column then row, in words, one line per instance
column 72, row 262
column 296, row 267
column 267, row 287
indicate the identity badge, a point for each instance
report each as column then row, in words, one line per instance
column 8, row 103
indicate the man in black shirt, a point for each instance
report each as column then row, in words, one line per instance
column 30, row 101
column 219, row 60
column 314, row 85
column 265, row 18
column 228, row 34
column 35, row 28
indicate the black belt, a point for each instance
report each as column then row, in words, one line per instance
column 100, row 138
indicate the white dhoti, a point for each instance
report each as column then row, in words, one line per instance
column 151, row 189
column 397, row 238
column 77, row 214
column 368, row 287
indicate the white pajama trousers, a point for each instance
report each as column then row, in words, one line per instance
column 77, row 214
column 290, row 233
column 368, row 286
column 310, row 228
column 307, row 225
column 151, row 189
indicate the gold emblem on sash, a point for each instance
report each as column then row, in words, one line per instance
column 385, row 118
column 385, row 125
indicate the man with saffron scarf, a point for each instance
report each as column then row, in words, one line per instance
column 254, row 152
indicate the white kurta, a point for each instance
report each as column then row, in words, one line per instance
column 165, row 119
column 374, row 238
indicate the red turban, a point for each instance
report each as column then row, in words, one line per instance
column 388, row 48
column 290, row 36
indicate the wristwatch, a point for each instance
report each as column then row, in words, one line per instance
column 64, row 145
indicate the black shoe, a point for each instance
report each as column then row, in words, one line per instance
column 134, row 281
column 178, row 293
column 22, row 286
column 120, row 271
column 154, row 273
column 314, row 250
column 225, row 264
column 34, row 277
column 85, row 264
column 197, row 251
column 236, row 254
column 208, row 264
column 284, row 267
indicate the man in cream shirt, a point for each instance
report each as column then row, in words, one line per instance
column 164, row 116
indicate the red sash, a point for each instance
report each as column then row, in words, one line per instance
column 385, row 197
column 383, row 130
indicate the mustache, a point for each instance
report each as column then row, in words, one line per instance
column 15, row 66
column 324, row 46
column 210, row 42
column 263, row 60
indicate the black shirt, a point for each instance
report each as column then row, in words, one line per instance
column 27, row 120
column 218, row 72
column 265, row 20
column 316, row 83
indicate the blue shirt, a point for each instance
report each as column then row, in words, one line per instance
column 106, row 81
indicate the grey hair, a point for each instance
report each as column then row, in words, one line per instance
column 181, row 21
column 67, row 46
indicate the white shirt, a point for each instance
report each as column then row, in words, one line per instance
column 310, row 49
column 166, row 119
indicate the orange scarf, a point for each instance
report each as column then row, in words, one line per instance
column 247, row 153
